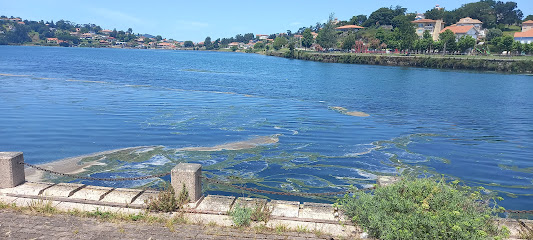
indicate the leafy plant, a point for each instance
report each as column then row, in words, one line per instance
column 42, row 206
column 241, row 216
column 183, row 196
column 166, row 200
column 261, row 213
column 424, row 209
column 100, row 214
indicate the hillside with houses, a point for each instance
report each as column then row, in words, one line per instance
column 483, row 27
column 15, row 30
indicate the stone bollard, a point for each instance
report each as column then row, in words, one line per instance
column 384, row 181
column 11, row 171
column 190, row 175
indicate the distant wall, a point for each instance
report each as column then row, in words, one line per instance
column 500, row 65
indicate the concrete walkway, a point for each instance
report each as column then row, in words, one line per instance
column 311, row 217
column 17, row 225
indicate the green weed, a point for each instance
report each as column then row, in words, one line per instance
column 241, row 216
column 42, row 206
column 281, row 228
column 424, row 209
column 166, row 200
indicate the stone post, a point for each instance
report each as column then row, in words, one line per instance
column 11, row 171
column 384, row 181
column 190, row 175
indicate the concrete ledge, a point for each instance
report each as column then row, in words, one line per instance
column 144, row 196
column 28, row 188
column 122, row 195
column 94, row 193
column 284, row 208
column 215, row 203
column 317, row 211
column 62, row 190
column 250, row 202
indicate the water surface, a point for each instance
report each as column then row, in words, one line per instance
column 64, row 102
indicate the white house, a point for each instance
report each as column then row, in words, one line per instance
column 472, row 22
column 526, row 36
column 461, row 31
column 261, row 36
column 433, row 26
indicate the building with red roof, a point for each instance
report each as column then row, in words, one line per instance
column 524, row 37
column 461, row 31
column 527, row 25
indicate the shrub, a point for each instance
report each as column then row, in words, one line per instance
column 241, row 216
column 42, row 206
column 166, row 200
column 423, row 209
column 260, row 213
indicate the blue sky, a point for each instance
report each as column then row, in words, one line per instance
column 194, row 20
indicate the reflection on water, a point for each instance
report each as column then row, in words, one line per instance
column 269, row 123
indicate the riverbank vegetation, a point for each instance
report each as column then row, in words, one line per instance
column 425, row 209
column 522, row 64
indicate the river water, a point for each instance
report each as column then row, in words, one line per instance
column 299, row 125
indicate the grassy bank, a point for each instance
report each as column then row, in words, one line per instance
column 480, row 63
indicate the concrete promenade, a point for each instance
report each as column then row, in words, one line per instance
column 311, row 217
column 17, row 225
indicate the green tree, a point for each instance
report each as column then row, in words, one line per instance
column 279, row 42
column 384, row 16
column 259, row 45
column 447, row 39
column 506, row 43
column 518, row 47
column 290, row 53
column 348, row 42
column 358, row 20
column 208, row 44
column 307, row 39
column 404, row 31
column 188, row 44
column 18, row 35
column 114, row 33
column 529, row 17
column 327, row 36
column 507, row 13
column 427, row 41
column 216, row 45
column 435, row 14
column 528, row 48
column 158, row 38
column 248, row 37
column 493, row 33
column 466, row 42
